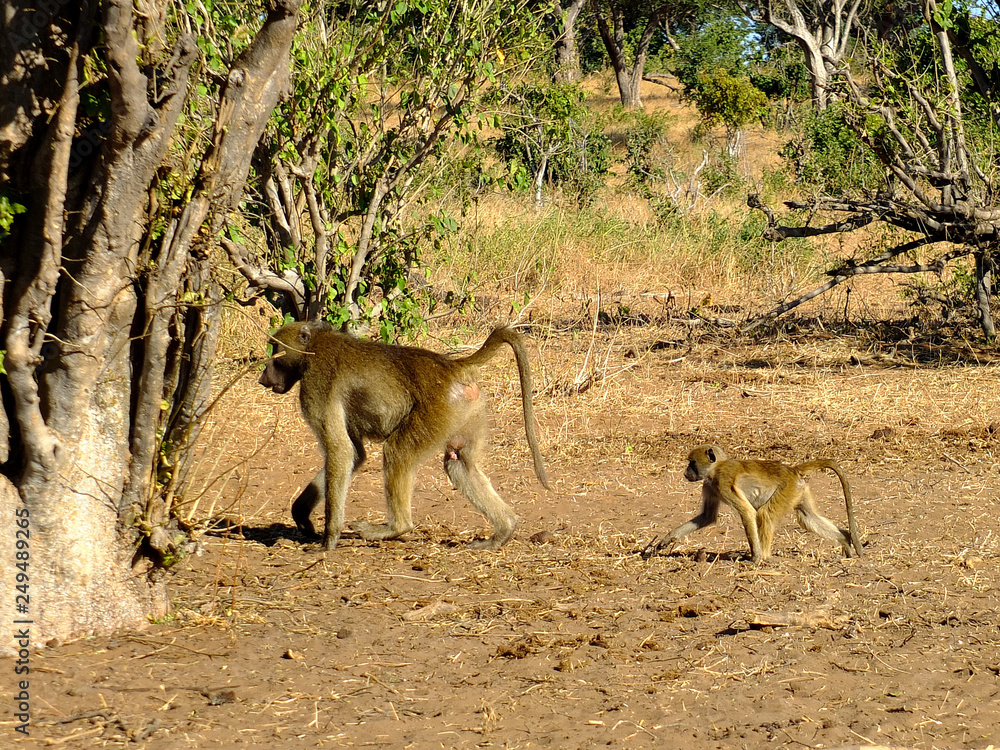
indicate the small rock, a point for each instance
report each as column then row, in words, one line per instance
column 220, row 697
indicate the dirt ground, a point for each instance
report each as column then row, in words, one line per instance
column 567, row 637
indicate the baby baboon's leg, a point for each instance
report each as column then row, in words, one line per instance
column 812, row 521
column 748, row 514
column 710, row 501
column 768, row 515
column 461, row 464
column 765, row 529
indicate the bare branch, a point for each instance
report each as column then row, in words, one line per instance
column 842, row 274
column 777, row 233
column 660, row 80
column 262, row 278
column 292, row 210
column 318, row 219
column 280, row 213
column 364, row 243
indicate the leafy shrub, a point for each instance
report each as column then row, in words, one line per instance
column 641, row 138
column 728, row 99
column 722, row 174
column 718, row 46
column 829, row 154
column 550, row 126
column 778, row 69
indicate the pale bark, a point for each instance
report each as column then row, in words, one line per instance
column 822, row 31
column 985, row 264
column 567, row 51
column 99, row 324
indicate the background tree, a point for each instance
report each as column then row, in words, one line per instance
column 712, row 65
column 567, row 61
column 347, row 172
column 549, row 133
column 629, row 30
column 822, row 30
column 930, row 123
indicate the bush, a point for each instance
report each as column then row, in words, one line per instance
column 728, row 99
column 641, row 138
column 830, row 156
column 550, row 126
column 722, row 174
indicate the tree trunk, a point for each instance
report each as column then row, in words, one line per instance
column 567, row 57
column 629, row 88
column 735, row 143
column 629, row 77
column 985, row 264
column 821, row 29
column 818, row 78
column 567, row 52
column 108, row 306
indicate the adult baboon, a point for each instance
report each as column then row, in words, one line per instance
column 414, row 400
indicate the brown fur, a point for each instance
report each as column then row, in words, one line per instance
column 761, row 492
column 415, row 401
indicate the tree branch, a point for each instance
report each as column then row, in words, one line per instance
column 129, row 108
column 660, row 80
column 844, row 273
column 777, row 233
column 262, row 278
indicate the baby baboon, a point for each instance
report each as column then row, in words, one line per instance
column 761, row 492
column 414, row 400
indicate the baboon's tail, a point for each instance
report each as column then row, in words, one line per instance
column 485, row 353
column 822, row 463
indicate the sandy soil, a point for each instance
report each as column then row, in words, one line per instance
column 567, row 637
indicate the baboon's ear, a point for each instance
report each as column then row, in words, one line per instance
column 309, row 330
column 711, row 455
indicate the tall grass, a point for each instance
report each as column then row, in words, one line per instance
column 509, row 247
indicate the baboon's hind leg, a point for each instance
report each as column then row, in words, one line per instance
column 812, row 521
column 771, row 512
column 461, row 464
column 765, row 528
column 399, row 468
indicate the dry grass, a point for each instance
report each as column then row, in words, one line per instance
column 569, row 637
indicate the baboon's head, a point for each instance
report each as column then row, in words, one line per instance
column 293, row 345
column 701, row 459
